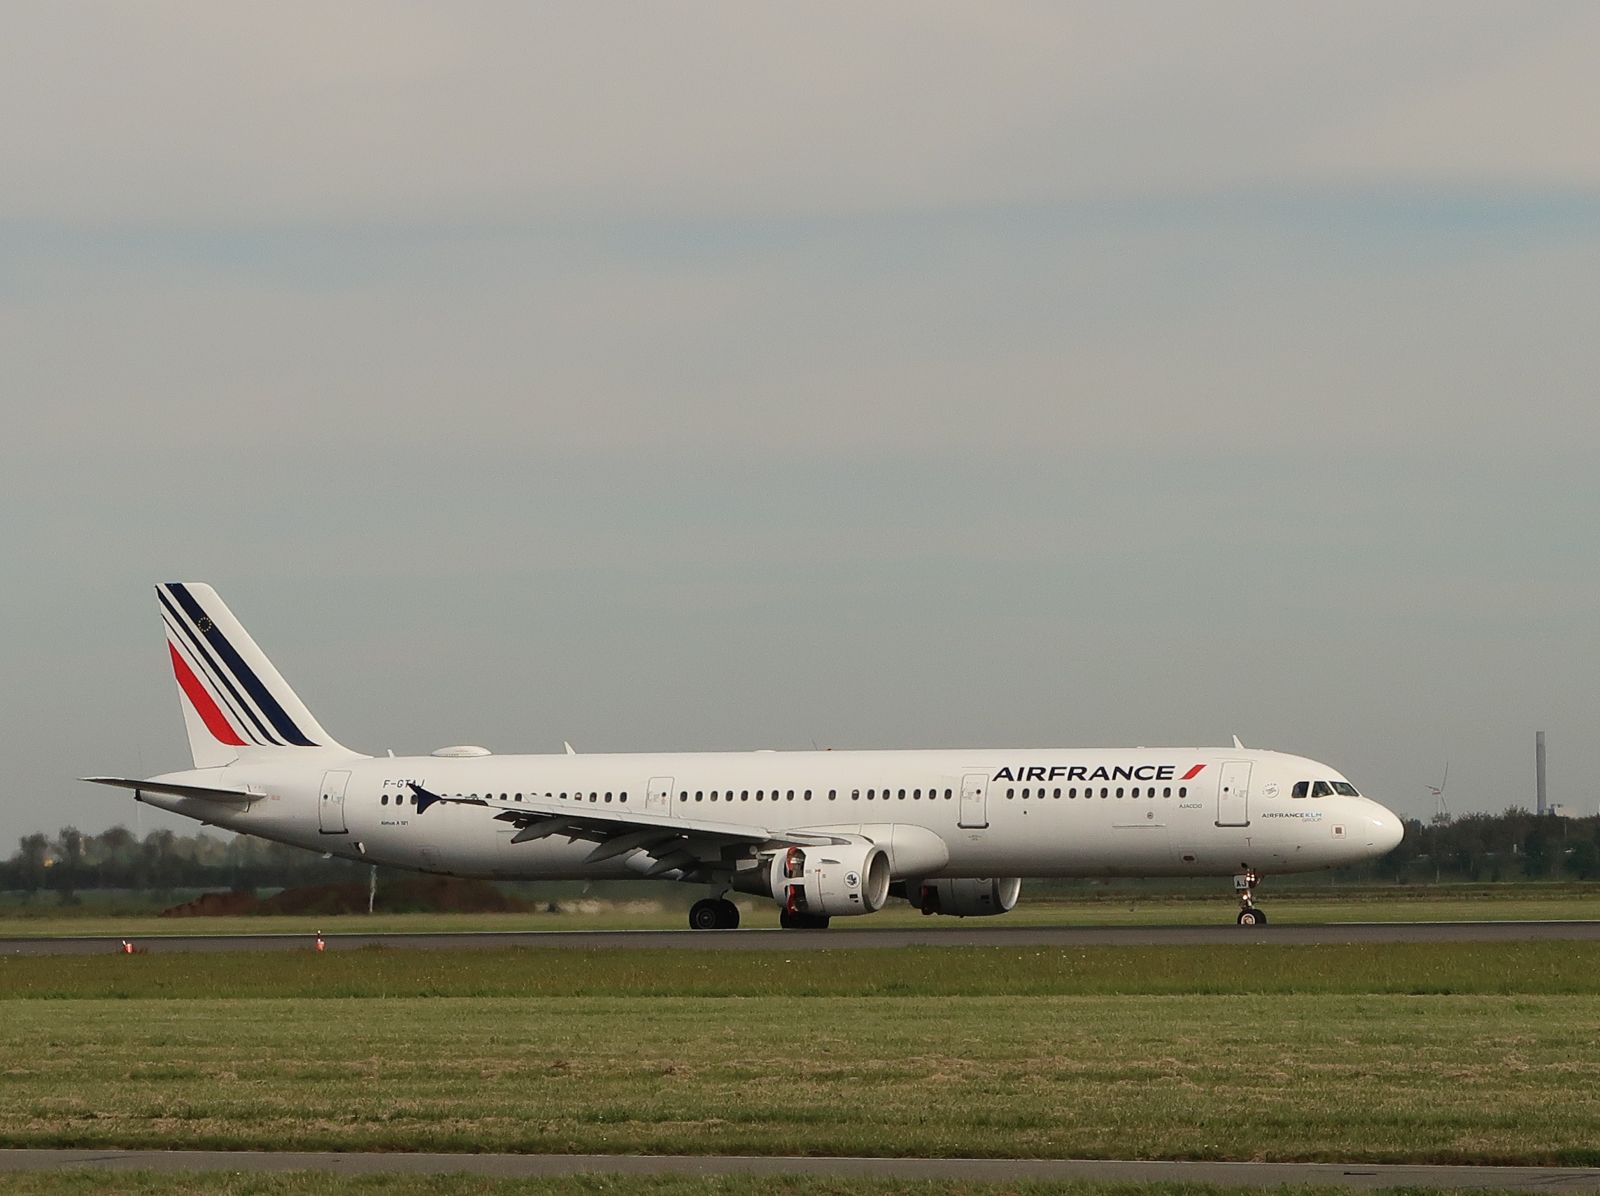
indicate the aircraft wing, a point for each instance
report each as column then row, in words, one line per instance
column 205, row 792
column 686, row 845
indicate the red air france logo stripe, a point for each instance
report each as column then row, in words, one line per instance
column 1192, row 773
column 216, row 722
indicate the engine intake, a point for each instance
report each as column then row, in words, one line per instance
column 966, row 897
column 832, row 881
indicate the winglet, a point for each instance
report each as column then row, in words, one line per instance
column 424, row 797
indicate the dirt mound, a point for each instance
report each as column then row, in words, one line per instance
column 422, row 894
column 215, row 905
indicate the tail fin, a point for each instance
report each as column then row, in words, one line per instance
column 232, row 697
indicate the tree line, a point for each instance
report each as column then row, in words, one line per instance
column 70, row 862
column 1479, row 848
column 1490, row 848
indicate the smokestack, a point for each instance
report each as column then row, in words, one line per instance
column 1538, row 767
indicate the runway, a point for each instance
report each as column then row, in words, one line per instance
column 519, row 1166
column 840, row 939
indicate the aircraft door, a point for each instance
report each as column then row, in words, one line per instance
column 1233, row 794
column 974, row 810
column 658, row 796
column 330, row 807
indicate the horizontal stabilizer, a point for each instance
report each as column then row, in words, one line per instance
column 205, row 792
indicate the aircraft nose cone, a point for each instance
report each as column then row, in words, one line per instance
column 1387, row 830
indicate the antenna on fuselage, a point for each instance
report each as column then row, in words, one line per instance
column 1237, row 745
column 570, row 750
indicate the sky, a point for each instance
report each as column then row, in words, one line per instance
column 730, row 376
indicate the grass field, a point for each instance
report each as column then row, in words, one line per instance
column 1418, row 1052
column 96, row 1183
column 1511, row 903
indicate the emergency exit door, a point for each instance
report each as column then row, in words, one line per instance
column 974, row 812
column 330, row 807
column 1233, row 794
column 658, row 796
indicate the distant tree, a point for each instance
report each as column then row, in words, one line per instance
column 1583, row 860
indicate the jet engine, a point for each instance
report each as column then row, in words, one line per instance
column 836, row 880
column 966, row 897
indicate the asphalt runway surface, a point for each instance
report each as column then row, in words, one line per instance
column 839, row 939
column 521, row 1166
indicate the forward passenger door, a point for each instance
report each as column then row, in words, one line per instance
column 1233, row 794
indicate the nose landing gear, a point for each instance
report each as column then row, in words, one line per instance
column 1244, row 884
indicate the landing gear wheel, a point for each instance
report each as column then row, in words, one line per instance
column 714, row 913
column 1245, row 884
column 802, row 921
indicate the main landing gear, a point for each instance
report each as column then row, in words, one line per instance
column 714, row 913
column 1244, row 884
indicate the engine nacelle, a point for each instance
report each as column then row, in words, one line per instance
column 833, row 881
column 966, row 897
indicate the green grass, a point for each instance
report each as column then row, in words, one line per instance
column 1538, row 968
column 1512, row 903
column 1376, row 1078
column 1408, row 1053
column 310, row 1183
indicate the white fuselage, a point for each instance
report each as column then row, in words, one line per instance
column 1028, row 813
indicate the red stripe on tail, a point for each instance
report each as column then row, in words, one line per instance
column 216, row 722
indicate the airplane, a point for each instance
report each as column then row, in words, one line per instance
column 823, row 834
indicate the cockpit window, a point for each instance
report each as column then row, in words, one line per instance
column 1300, row 788
column 1323, row 789
column 1345, row 789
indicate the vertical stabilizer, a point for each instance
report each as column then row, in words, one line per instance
column 233, row 698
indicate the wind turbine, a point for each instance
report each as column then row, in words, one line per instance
column 1442, row 816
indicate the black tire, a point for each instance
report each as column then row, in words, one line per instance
column 1252, row 917
column 728, row 915
column 705, row 915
